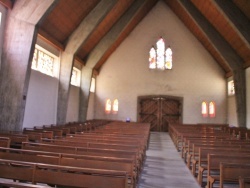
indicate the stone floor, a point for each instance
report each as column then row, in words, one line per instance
column 164, row 167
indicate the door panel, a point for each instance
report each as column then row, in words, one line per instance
column 159, row 111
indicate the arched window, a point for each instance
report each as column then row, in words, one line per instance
column 152, row 58
column 115, row 106
column 212, row 109
column 108, row 106
column 160, row 58
column 204, row 109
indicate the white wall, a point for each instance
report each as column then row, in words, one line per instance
column 41, row 102
column 195, row 75
column 73, row 104
column 248, row 96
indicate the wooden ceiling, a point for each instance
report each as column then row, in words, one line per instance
column 228, row 20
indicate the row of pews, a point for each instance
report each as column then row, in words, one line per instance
column 216, row 154
column 93, row 154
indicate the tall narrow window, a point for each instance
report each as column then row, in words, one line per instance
column 160, row 58
column 108, row 106
column 115, row 106
column 92, row 85
column 212, row 109
column 168, row 62
column 152, row 58
column 231, row 89
column 75, row 77
column 204, row 109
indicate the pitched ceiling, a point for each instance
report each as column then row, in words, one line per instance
column 209, row 20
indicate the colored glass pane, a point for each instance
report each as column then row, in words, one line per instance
column 204, row 109
column 168, row 62
column 212, row 109
column 152, row 58
column 115, row 106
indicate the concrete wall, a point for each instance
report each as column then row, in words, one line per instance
column 195, row 75
column 73, row 104
column 248, row 96
column 41, row 101
column 2, row 26
column 91, row 105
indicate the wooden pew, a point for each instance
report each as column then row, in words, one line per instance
column 85, row 161
column 4, row 142
column 203, row 161
column 13, row 184
column 214, row 161
column 231, row 172
column 193, row 155
column 93, row 143
column 63, row 175
column 244, row 182
column 15, row 139
column 85, row 151
column 45, row 134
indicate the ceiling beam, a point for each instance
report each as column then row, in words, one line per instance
column 239, row 20
column 143, row 10
column 112, row 35
column 194, row 28
column 32, row 11
column 47, row 38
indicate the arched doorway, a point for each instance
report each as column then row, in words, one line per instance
column 159, row 111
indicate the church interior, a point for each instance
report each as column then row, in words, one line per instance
column 125, row 93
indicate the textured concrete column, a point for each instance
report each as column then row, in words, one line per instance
column 20, row 36
column 75, row 41
column 84, row 94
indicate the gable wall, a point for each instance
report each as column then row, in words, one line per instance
column 195, row 75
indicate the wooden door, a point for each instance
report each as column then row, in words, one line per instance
column 159, row 111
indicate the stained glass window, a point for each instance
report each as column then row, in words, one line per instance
column 168, row 62
column 212, row 109
column 92, row 85
column 43, row 62
column 115, row 106
column 231, row 89
column 152, row 58
column 75, row 77
column 204, row 109
column 160, row 58
column 108, row 106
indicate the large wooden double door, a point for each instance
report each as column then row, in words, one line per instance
column 159, row 111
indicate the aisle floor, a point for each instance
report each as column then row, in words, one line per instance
column 164, row 167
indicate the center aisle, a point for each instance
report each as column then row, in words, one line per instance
column 164, row 167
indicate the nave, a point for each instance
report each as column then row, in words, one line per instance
column 164, row 167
